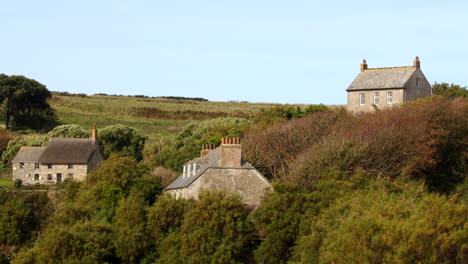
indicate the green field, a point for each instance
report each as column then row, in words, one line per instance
column 156, row 117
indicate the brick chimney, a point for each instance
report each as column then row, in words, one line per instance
column 94, row 134
column 363, row 65
column 417, row 63
column 231, row 150
column 206, row 148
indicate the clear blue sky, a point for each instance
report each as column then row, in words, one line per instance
column 258, row 51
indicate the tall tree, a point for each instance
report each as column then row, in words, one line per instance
column 24, row 101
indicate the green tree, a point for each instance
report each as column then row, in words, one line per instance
column 69, row 131
column 131, row 242
column 122, row 139
column 451, row 91
column 24, row 101
column 216, row 230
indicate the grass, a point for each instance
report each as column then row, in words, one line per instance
column 4, row 182
column 167, row 116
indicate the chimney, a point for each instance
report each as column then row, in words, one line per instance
column 417, row 63
column 94, row 135
column 206, row 148
column 363, row 65
column 231, row 150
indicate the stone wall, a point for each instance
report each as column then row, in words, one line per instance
column 413, row 92
column 248, row 183
column 28, row 174
column 354, row 104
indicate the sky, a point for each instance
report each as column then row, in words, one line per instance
column 290, row 51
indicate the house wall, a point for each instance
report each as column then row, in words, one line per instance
column 79, row 172
column 354, row 106
column 25, row 174
column 248, row 183
column 413, row 92
column 94, row 161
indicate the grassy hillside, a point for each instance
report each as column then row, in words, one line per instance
column 157, row 117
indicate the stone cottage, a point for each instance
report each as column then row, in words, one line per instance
column 379, row 88
column 221, row 169
column 62, row 158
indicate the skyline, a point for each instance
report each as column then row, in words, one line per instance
column 262, row 51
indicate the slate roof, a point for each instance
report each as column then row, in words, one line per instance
column 68, row 150
column 382, row 78
column 211, row 160
column 28, row 154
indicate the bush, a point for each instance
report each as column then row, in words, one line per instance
column 69, row 131
column 122, row 139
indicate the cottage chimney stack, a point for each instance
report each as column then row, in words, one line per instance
column 231, row 151
column 417, row 63
column 94, row 134
column 363, row 65
column 206, row 148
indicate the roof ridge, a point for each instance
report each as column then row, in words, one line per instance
column 387, row 68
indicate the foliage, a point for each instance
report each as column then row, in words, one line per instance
column 15, row 144
column 271, row 116
column 5, row 137
column 188, row 143
column 388, row 224
column 271, row 150
column 451, row 91
column 24, row 102
column 69, row 131
column 216, row 230
column 122, row 139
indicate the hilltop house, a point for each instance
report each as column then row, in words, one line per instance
column 62, row 158
column 379, row 88
column 221, row 169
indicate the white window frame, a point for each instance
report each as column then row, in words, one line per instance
column 376, row 98
column 389, row 97
column 362, row 98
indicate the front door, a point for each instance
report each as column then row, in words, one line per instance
column 59, row 177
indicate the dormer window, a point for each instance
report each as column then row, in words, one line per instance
column 49, row 166
column 36, row 165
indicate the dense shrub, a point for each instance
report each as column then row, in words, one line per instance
column 272, row 150
column 69, row 131
column 122, row 139
column 388, row 224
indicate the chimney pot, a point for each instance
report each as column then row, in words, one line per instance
column 94, row 134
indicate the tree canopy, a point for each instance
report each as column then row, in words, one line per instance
column 24, row 102
column 450, row 90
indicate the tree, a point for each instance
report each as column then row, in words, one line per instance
column 24, row 102
column 122, row 139
column 69, row 131
column 451, row 91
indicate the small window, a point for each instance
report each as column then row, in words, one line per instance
column 70, row 166
column 21, row 165
column 418, row 83
column 49, row 177
column 36, row 165
column 29, row 175
column 36, row 177
column 70, row 176
column 49, row 166
column 362, row 99
column 389, row 97
column 376, row 98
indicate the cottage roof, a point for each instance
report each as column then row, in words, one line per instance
column 68, row 150
column 382, row 78
column 210, row 160
column 28, row 154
